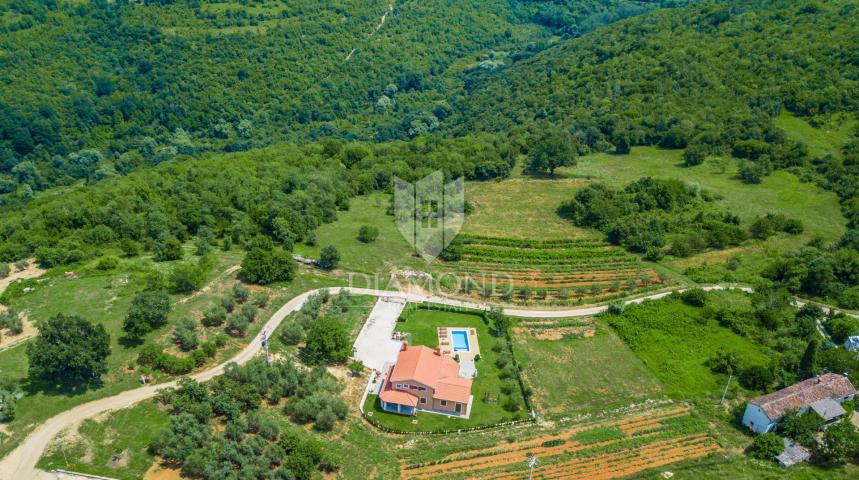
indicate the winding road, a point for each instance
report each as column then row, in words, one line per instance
column 20, row 464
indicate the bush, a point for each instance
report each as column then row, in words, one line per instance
column 169, row 249
column 263, row 266
column 756, row 377
column 292, row 333
column 329, row 258
column 237, row 325
column 249, row 311
column 215, row 316
column 241, row 293
column 766, row 446
column 188, row 277
column 185, row 334
column 368, row 233
column 325, row 421
column 148, row 311
column 11, row 320
column 694, row 297
column 260, row 299
column 228, row 303
column 107, row 263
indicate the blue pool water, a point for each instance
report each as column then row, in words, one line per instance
column 460, row 340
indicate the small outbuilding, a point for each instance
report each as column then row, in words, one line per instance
column 820, row 393
column 792, row 454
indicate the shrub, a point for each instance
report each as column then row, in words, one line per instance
column 185, row 334
column 148, row 311
column 292, row 333
column 209, row 348
column 169, row 249
column 260, row 299
column 694, row 297
column 215, row 316
column 4, row 270
column 263, row 266
column 329, row 258
column 241, row 293
column 107, row 263
column 766, row 446
column 325, row 420
column 228, row 303
column 249, row 311
column 188, row 277
column 368, row 233
column 237, row 325
column 11, row 320
column 756, row 377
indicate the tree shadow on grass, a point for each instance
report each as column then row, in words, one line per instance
column 33, row 386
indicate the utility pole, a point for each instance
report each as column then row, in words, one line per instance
column 265, row 347
column 532, row 462
column 725, row 392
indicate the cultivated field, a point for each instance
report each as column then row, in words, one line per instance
column 599, row 450
column 557, row 271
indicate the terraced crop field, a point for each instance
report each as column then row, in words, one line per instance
column 593, row 451
column 548, row 270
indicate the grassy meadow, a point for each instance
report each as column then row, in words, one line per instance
column 675, row 340
column 522, row 208
column 575, row 373
column 388, row 250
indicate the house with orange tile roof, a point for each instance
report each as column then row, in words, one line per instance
column 425, row 379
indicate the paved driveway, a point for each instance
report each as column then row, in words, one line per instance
column 374, row 347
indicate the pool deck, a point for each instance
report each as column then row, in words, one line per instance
column 445, row 341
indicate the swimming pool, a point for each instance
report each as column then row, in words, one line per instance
column 460, row 340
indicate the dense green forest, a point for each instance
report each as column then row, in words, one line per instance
column 126, row 84
column 183, row 86
column 283, row 192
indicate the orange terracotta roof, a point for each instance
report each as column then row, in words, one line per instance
column 803, row 394
column 441, row 373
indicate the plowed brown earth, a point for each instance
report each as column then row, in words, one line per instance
column 510, row 457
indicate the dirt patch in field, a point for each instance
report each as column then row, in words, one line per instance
column 31, row 271
column 119, row 460
column 208, row 287
column 558, row 333
column 29, row 330
column 159, row 472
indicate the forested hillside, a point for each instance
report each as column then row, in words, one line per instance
column 707, row 76
column 97, row 88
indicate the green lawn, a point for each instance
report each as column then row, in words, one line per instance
column 116, row 446
column 422, row 330
column 376, row 257
column 675, row 341
column 574, row 374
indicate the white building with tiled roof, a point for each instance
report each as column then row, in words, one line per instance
column 764, row 412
